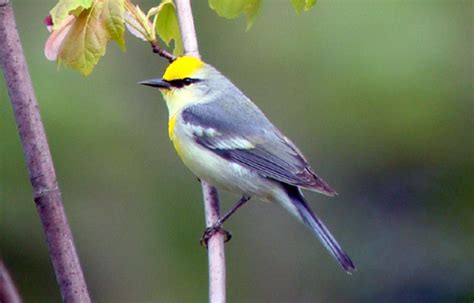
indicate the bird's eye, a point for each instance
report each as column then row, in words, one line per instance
column 178, row 83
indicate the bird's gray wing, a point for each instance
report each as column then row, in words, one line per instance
column 248, row 138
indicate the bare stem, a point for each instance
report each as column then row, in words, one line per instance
column 8, row 291
column 215, row 245
column 162, row 52
column 47, row 195
column 186, row 25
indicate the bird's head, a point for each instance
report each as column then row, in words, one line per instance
column 186, row 80
column 181, row 75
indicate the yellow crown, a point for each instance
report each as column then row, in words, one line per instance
column 183, row 67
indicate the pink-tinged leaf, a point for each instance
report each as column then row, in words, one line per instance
column 138, row 24
column 55, row 40
column 48, row 21
column 64, row 8
column 81, row 39
column 86, row 41
column 133, row 26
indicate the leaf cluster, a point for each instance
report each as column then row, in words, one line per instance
column 81, row 29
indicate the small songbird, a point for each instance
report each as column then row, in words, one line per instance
column 226, row 140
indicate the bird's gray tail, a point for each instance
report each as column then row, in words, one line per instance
column 301, row 210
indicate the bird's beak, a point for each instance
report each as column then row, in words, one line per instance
column 160, row 83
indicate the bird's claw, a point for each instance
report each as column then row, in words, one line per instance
column 211, row 231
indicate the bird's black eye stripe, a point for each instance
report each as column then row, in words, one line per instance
column 178, row 83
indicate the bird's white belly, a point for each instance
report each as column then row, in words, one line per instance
column 218, row 171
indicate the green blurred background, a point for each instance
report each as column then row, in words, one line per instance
column 377, row 94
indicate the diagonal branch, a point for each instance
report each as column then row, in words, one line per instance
column 8, row 291
column 216, row 252
column 47, row 195
column 162, row 52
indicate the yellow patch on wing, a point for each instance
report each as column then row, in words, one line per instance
column 181, row 68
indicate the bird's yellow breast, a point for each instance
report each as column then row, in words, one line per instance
column 172, row 135
column 171, row 124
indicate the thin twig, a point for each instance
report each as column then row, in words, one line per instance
column 162, row 52
column 136, row 12
column 8, row 291
column 216, row 252
column 47, row 195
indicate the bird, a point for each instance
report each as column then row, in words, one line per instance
column 228, row 142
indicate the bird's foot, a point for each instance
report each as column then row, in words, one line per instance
column 211, row 231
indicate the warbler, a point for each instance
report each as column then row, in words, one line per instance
column 226, row 140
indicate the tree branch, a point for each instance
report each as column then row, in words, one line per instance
column 8, row 291
column 215, row 245
column 47, row 195
column 186, row 26
column 162, row 52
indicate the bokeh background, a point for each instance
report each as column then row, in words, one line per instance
column 377, row 94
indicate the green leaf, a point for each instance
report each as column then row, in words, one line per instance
column 138, row 24
column 82, row 36
column 231, row 9
column 301, row 5
column 167, row 26
column 113, row 12
column 64, row 7
column 86, row 40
